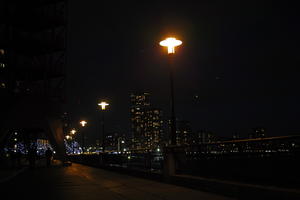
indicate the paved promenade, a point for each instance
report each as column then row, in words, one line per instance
column 83, row 182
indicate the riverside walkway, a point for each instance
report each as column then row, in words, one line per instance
column 83, row 182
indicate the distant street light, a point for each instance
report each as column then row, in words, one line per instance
column 103, row 105
column 68, row 137
column 83, row 123
column 171, row 43
column 73, row 131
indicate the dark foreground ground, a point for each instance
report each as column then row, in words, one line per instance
column 83, row 182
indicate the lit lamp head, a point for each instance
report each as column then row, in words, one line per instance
column 103, row 104
column 73, row 131
column 83, row 123
column 171, row 43
column 68, row 137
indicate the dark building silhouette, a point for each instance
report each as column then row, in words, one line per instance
column 258, row 132
column 204, row 137
column 236, row 136
column 116, row 142
column 32, row 67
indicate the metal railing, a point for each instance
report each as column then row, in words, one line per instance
column 263, row 160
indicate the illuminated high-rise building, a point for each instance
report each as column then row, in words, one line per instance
column 183, row 133
column 153, row 128
column 140, row 102
column 146, row 122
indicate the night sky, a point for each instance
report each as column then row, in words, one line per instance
column 240, row 59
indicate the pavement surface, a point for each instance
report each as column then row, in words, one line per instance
column 83, row 182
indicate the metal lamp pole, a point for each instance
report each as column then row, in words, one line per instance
column 103, row 105
column 171, row 43
column 73, row 131
column 83, row 123
column 169, row 154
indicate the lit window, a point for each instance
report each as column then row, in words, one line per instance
column 2, row 51
column 2, row 65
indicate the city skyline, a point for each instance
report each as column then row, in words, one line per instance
column 234, row 70
column 146, row 105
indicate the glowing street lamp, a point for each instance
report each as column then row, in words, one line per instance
column 171, row 43
column 82, row 123
column 103, row 105
column 73, row 131
column 169, row 158
column 68, row 137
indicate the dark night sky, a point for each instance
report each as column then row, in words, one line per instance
column 240, row 58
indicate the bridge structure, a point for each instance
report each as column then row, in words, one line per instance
column 33, row 42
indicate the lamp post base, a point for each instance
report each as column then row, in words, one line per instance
column 169, row 167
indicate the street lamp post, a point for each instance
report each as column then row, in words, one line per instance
column 169, row 157
column 73, row 131
column 83, row 123
column 69, row 138
column 103, row 105
column 171, row 43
